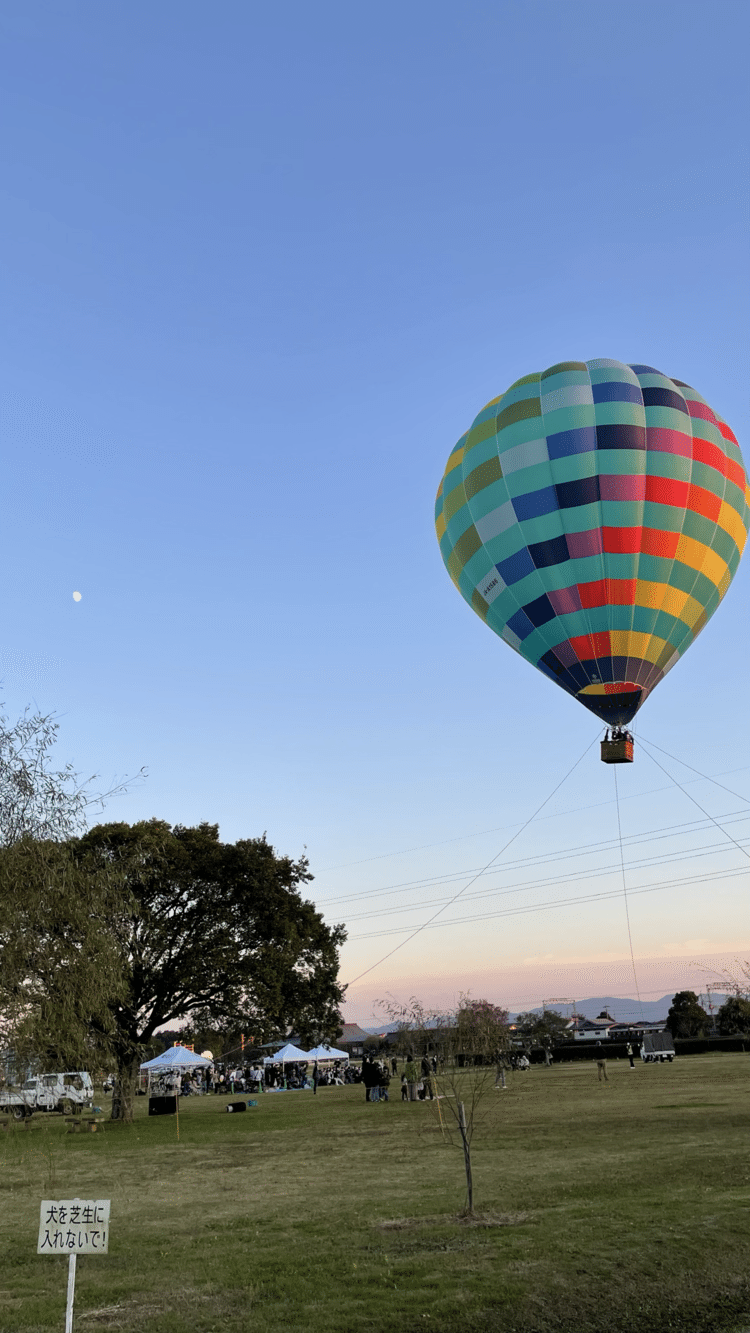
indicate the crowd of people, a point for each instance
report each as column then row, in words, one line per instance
column 229, row 1080
column 375, row 1073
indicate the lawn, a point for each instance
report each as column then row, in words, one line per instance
column 619, row 1207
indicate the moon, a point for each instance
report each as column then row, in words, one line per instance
column 76, row 597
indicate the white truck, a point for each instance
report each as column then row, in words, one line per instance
column 48, row 1092
column 657, row 1048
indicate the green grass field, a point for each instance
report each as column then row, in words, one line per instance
column 605, row 1208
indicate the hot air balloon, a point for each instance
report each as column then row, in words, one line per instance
column 594, row 517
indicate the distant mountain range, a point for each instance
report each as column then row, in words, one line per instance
column 622, row 1010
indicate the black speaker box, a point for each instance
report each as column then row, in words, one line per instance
column 162, row 1105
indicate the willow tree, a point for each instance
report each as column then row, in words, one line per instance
column 58, row 966
column 61, row 968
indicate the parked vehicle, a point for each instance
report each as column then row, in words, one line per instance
column 657, row 1047
column 48, row 1092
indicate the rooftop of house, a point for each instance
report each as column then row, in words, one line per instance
column 352, row 1033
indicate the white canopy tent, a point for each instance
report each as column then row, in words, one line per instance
column 176, row 1057
column 165, row 1070
column 288, row 1054
column 326, row 1053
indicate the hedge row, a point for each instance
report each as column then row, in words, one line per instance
column 617, row 1050
column 698, row 1045
column 583, row 1050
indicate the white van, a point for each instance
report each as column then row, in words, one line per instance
column 49, row 1092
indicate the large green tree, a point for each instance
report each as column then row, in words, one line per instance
column 545, row 1028
column 734, row 1016
column 172, row 924
column 686, row 1017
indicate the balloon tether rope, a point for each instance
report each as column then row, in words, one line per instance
column 625, row 892
column 702, row 809
column 653, row 746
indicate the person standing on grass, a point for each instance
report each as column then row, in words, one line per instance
column 427, row 1076
column 369, row 1077
column 601, row 1068
column 385, row 1079
column 630, row 1056
column 315, row 1079
column 404, row 1089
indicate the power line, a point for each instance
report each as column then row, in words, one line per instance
column 456, row 896
column 557, row 903
column 666, row 859
column 564, row 854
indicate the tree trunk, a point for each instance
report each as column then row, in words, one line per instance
column 123, row 1097
column 467, row 1157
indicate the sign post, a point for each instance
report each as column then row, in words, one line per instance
column 71, row 1293
column 73, row 1227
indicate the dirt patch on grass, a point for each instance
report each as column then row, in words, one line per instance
column 364, row 1134
column 136, row 1313
column 455, row 1219
column 113, row 1316
column 495, row 1220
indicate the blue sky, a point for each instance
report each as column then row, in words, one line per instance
column 263, row 267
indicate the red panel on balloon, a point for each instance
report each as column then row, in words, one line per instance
column 622, row 541
column 667, row 491
column 593, row 594
column 592, row 645
column 603, row 592
column 710, row 454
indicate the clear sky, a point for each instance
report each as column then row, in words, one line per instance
column 264, row 264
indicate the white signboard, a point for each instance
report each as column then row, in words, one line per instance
column 73, row 1226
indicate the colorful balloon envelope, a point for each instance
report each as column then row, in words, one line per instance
column 594, row 516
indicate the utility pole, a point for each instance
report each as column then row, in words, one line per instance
column 709, row 988
column 557, row 999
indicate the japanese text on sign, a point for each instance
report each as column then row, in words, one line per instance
column 73, row 1226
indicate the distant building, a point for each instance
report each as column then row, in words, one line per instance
column 622, row 1031
column 591, row 1029
column 354, row 1039
column 605, row 1028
